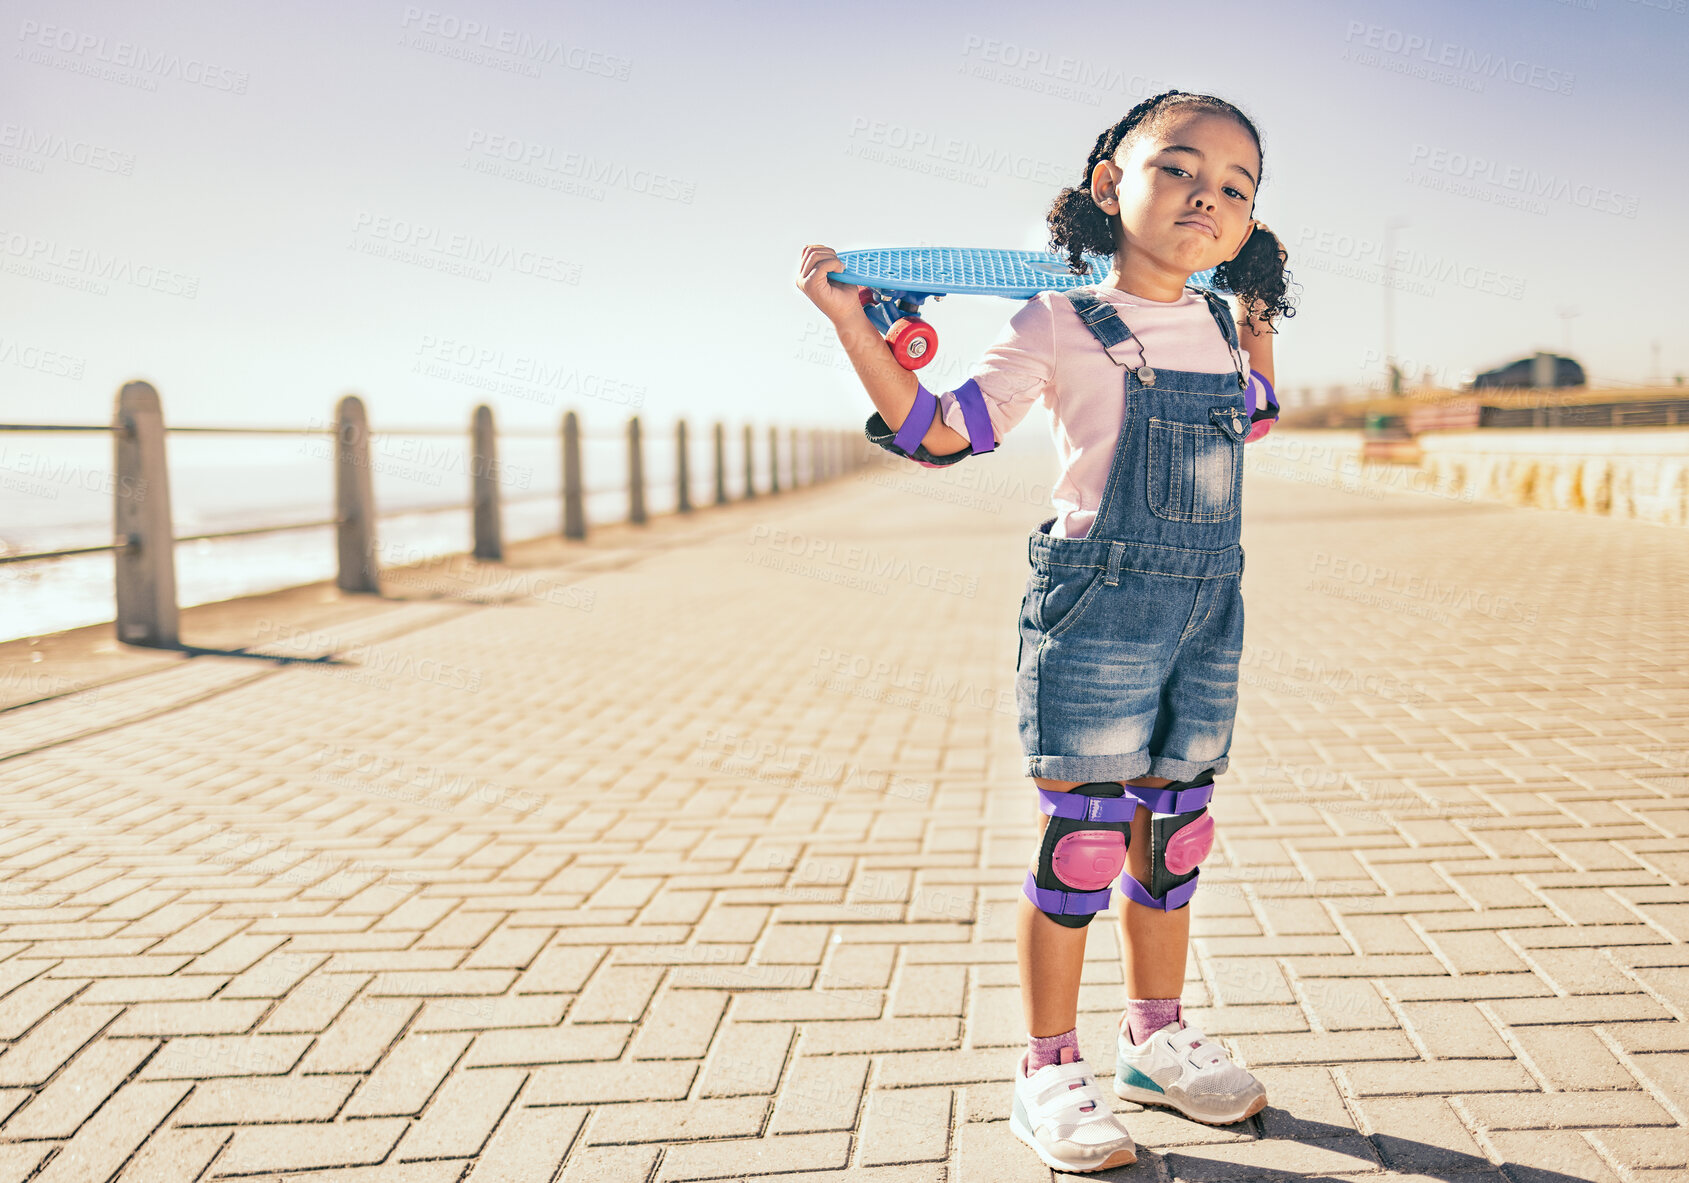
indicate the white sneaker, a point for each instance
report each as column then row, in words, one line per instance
column 1050, row 1116
column 1182, row 1068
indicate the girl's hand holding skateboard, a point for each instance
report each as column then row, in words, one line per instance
column 837, row 301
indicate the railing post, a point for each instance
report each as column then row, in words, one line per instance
column 483, row 486
column 682, row 475
column 354, row 500
column 773, row 458
column 750, row 464
column 636, row 474
column 574, row 507
column 720, row 463
column 145, row 558
column 794, row 457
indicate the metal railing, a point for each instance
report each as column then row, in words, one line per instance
column 144, row 542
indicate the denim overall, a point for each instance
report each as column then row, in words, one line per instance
column 1130, row 637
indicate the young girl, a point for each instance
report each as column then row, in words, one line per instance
column 1132, row 622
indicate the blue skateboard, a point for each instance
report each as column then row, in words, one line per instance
column 895, row 282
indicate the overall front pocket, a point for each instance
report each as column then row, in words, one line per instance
column 1196, row 469
column 1060, row 595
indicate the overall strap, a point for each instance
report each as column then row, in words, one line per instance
column 1222, row 317
column 1099, row 316
column 1228, row 330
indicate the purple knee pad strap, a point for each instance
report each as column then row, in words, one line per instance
column 1088, row 809
column 1171, row 800
column 1068, row 903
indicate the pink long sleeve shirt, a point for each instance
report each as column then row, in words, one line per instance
column 1046, row 353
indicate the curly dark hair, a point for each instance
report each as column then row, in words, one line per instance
column 1079, row 226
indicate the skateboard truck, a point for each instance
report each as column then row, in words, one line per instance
column 913, row 342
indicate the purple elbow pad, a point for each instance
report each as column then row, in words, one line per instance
column 1261, row 422
column 981, row 438
column 920, row 418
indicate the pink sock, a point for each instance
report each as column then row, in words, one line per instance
column 1146, row 1016
column 1051, row 1049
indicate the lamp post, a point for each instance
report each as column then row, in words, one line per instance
column 1395, row 377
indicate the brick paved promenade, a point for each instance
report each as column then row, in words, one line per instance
column 693, row 853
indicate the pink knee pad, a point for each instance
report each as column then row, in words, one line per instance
column 1189, row 845
column 1089, row 859
column 1081, row 852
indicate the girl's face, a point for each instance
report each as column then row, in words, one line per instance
column 1184, row 193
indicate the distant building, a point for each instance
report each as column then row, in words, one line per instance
column 1539, row 370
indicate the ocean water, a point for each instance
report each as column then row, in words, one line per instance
column 57, row 490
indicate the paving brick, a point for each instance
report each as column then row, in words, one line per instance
column 1574, row 1110
column 616, row 994
column 408, row 1076
column 554, row 1045
column 52, row 1042
column 230, row 1101
column 678, row 1121
column 529, row 1146
column 748, row 1059
column 1422, row 1135
column 206, row 1056
column 1549, row 1156
column 680, row 1025
column 561, row 968
column 174, row 1156
column 609, row 1164
column 112, row 1134
column 1455, row 1031
column 211, row 1017
column 313, row 1004
column 905, row 1125
column 623, row 1080
column 33, row 1001
column 268, row 1149
column 756, row 1156
column 930, row 990
column 1255, row 1158
column 462, row 1115
column 360, row 1035
column 84, row 1084
column 821, row 1093
column 1573, row 1058
column 1436, row 1077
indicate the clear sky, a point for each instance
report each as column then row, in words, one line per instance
column 261, row 207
